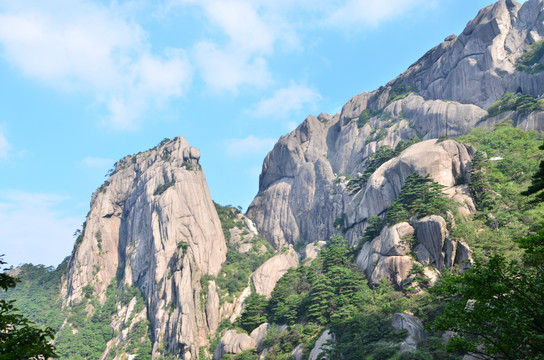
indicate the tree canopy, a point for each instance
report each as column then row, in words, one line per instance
column 19, row 338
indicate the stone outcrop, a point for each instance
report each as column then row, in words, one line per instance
column 387, row 256
column 259, row 334
column 445, row 162
column 434, row 247
column 267, row 275
column 233, row 343
column 153, row 225
column 479, row 66
column 390, row 255
column 320, row 344
column 414, row 326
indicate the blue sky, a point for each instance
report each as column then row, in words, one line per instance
column 85, row 83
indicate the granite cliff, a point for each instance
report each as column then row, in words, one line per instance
column 153, row 225
column 305, row 181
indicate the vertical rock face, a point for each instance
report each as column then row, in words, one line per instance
column 153, row 225
column 304, row 184
column 479, row 66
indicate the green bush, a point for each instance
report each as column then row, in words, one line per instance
column 521, row 103
column 530, row 61
column 162, row 188
column 421, row 196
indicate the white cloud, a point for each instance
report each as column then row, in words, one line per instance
column 370, row 12
column 226, row 69
column 78, row 45
column 97, row 162
column 5, row 146
column 286, row 100
column 249, row 146
column 33, row 229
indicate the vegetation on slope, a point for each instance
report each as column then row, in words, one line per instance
column 495, row 308
column 511, row 158
column 530, row 61
column 235, row 273
column 521, row 103
column 19, row 337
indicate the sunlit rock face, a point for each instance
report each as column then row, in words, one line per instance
column 153, row 225
column 304, row 188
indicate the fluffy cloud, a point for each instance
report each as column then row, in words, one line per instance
column 371, row 12
column 97, row 163
column 284, row 101
column 249, row 146
column 79, row 45
column 226, row 69
column 34, row 229
column 5, row 147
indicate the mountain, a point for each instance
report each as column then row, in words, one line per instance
column 305, row 181
column 160, row 271
column 152, row 225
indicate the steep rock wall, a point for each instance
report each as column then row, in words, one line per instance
column 153, row 225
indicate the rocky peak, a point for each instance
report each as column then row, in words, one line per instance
column 306, row 180
column 153, row 225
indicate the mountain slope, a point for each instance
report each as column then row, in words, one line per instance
column 304, row 187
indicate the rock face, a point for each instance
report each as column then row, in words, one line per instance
column 320, row 344
column 479, row 66
column 233, row 343
column 304, row 184
column 259, row 334
column 153, row 225
column 414, row 326
column 267, row 275
column 387, row 256
column 445, row 162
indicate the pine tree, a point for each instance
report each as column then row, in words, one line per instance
column 479, row 185
column 254, row 313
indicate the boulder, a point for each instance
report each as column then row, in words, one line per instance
column 414, row 326
column 267, row 275
column 320, row 344
column 259, row 334
column 387, row 256
column 233, row 343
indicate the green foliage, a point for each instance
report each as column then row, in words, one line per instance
column 383, row 154
column 235, row 273
column 399, row 91
column 480, row 188
column 288, row 296
column 162, row 188
column 504, row 214
column 228, row 216
column 419, row 196
column 537, row 183
column 282, row 343
column 183, row 245
column 510, row 102
column 529, row 62
column 19, row 337
column 254, row 313
column 339, row 223
column 365, row 336
column 497, row 305
column 250, row 354
column 365, row 116
column 86, row 333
